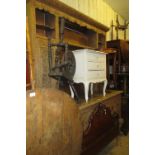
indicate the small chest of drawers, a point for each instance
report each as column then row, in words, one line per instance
column 90, row 68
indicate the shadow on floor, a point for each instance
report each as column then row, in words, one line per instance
column 119, row 146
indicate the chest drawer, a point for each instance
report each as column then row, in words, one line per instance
column 96, row 66
column 96, row 58
column 96, row 75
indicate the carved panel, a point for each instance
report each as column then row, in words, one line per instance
column 102, row 127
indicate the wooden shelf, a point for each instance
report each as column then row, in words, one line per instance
column 44, row 27
column 77, row 35
column 73, row 30
column 45, row 23
column 72, row 43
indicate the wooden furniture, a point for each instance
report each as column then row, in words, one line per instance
column 80, row 31
column 100, row 121
column 53, row 126
column 97, row 135
column 90, row 68
column 111, row 67
column 122, row 76
column 122, row 63
column 45, row 23
column 77, row 35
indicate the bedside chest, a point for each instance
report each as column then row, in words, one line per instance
column 90, row 68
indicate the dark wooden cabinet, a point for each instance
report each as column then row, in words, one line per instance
column 122, row 47
column 100, row 122
column 122, row 63
column 122, row 76
column 103, row 127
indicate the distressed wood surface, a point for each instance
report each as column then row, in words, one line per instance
column 39, row 43
column 112, row 100
column 53, row 125
column 97, row 99
column 73, row 12
column 29, row 63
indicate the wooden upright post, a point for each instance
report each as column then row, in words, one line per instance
column 28, row 48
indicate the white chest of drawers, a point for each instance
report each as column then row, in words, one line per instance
column 90, row 68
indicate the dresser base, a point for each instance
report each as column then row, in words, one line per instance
column 100, row 121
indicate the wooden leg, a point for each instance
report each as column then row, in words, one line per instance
column 86, row 89
column 72, row 93
column 104, row 87
column 91, row 88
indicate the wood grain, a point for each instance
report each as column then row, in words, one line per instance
column 53, row 125
column 29, row 57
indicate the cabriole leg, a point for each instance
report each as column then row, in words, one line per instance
column 104, row 87
column 71, row 90
column 86, row 89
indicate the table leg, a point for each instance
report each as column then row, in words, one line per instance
column 104, row 87
column 71, row 90
column 86, row 89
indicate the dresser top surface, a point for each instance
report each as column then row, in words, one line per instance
column 97, row 100
column 89, row 50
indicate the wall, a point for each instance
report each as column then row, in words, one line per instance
column 98, row 10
